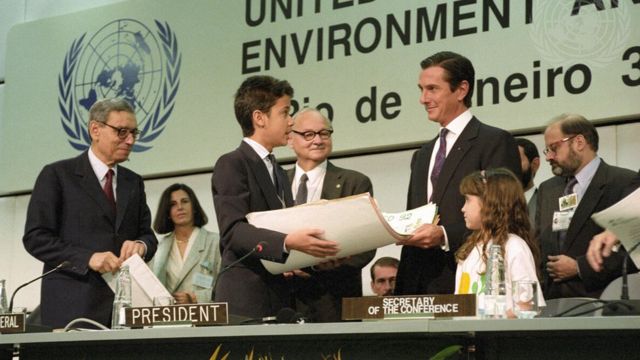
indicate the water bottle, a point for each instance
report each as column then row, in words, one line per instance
column 3, row 297
column 495, row 298
column 122, row 298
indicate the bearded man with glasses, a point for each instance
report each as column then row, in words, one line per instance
column 584, row 184
column 91, row 212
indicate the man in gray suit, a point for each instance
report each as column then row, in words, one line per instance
column 92, row 212
column 530, row 161
column 584, row 184
column 319, row 290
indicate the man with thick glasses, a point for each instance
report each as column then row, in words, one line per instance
column 584, row 184
column 91, row 212
column 319, row 290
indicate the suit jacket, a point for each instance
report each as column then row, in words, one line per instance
column 241, row 184
column 605, row 189
column 69, row 218
column 321, row 295
column 203, row 258
column 479, row 147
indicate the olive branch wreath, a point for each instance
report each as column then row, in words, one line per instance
column 72, row 124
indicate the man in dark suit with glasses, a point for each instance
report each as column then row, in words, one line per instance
column 92, row 212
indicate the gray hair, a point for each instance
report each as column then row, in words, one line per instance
column 100, row 109
column 312, row 110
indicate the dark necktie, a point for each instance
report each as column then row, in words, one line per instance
column 108, row 189
column 277, row 181
column 568, row 190
column 440, row 157
column 301, row 195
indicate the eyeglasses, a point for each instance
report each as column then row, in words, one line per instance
column 325, row 134
column 554, row 145
column 124, row 132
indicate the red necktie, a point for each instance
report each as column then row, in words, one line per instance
column 108, row 189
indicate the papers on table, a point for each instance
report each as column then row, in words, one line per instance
column 623, row 219
column 144, row 284
column 355, row 222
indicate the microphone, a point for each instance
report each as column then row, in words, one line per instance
column 625, row 275
column 62, row 265
column 256, row 250
column 285, row 315
column 289, row 316
column 624, row 306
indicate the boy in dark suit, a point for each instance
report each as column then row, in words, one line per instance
column 246, row 180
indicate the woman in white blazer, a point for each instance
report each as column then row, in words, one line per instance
column 187, row 261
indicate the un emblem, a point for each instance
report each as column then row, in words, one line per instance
column 123, row 59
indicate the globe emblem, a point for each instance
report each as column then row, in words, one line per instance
column 123, row 59
column 592, row 37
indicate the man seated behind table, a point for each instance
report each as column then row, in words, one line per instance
column 383, row 275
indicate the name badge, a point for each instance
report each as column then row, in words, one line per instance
column 206, row 266
column 568, row 202
column 202, row 280
column 561, row 220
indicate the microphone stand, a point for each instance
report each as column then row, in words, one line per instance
column 624, row 306
column 62, row 265
column 257, row 249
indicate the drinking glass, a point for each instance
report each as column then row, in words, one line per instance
column 525, row 299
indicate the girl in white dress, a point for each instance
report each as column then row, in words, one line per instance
column 496, row 211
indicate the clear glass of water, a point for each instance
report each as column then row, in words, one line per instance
column 525, row 299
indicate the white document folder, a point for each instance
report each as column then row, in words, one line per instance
column 355, row 222
column 623, row 219
column 145, row 285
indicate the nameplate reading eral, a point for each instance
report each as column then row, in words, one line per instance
column 11, row 323
column 412, row 306
column 194, row 314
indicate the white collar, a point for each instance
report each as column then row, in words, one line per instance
column 457, row 125
column 257, row 147
column 586, row 174
column 312, row 174
column 100, row 168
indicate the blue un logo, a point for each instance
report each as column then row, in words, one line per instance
column 123, row 59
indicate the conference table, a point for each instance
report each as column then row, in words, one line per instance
column 541, row 338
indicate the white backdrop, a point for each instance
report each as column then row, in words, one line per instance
column 388, row 171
